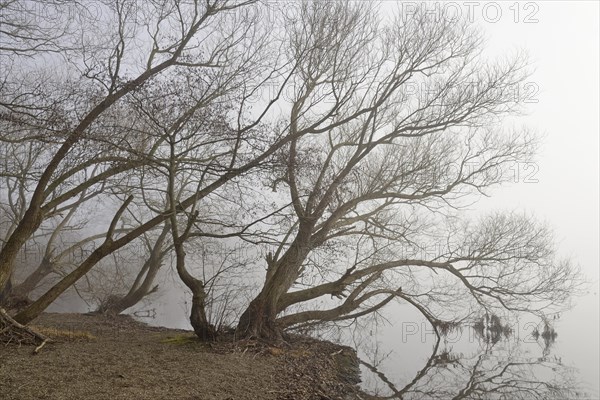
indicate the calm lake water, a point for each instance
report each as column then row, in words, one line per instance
column 467, row 365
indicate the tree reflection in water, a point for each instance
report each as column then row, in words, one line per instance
column 494, row 371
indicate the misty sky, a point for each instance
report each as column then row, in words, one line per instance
column 563, row 46
column 562, row 101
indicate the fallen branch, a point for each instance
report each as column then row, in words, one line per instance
column 12, row 331
column 37, row 349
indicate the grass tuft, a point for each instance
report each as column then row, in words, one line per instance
column 180, row 339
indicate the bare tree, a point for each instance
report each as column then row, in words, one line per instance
column 239, row 69
column 31, row 28
column 19, row 175
column 111, row 72
column 385, row 169
column 373, row 134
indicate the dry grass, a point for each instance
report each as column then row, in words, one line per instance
column 64, row 334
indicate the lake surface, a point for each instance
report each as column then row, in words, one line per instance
column 466, row 365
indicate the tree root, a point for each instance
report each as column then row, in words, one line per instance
column 12, row 332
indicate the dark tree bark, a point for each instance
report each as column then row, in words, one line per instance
column 143, row 284
column 202, row 327
column 260, row 318
column 34, row 215
column 109, row 245
column 25, row 288
column 5, row 294
column 198, row 319
column 16, row 297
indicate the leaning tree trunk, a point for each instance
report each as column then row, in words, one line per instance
column 29, row 224
column 5, row 293
column 259, row 320
column 143, row 284
column 108, row 246
column 115, row 305
column 25, row 288
column 11, row 299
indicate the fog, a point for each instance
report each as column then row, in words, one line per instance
column 561, row 187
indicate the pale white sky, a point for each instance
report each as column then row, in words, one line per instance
column 562, row 40
column 564, row 46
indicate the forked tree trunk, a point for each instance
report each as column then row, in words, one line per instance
column 116, row 305
column 38, row 306
column 107, row 247
column 259, row 320
column 16, row 297
column 142, row 286
column 33, row 217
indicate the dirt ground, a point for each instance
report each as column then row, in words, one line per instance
column 99, row 357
